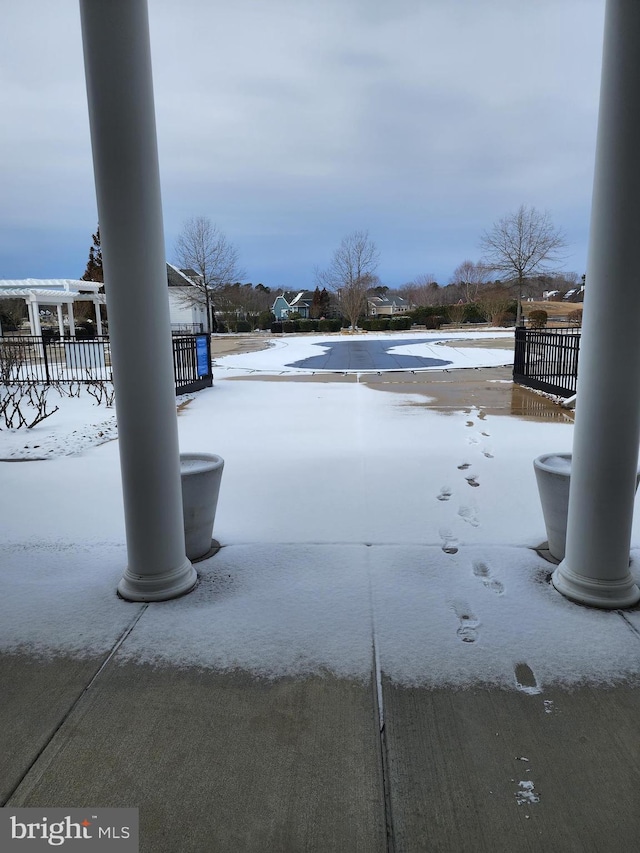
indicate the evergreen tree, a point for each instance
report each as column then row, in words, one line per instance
column 325, row 303
column 316, row 305
column 94, row 271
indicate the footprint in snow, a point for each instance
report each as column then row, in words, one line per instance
column 481, row 571
column 526, row 681
column 485, row 434
column 469, row 625
column 472, row 479
column 527, row 793
column 445, row 494
column 470, row 515
column 469, row 423
column 449, row 541
column 464, row 466
column 487, row 454
column 473, row 440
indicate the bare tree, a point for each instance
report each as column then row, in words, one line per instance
column 522, row 244
column 469, row 276
column 203, row 248
column 494, row 303
column 351, row 273
column 422, row 291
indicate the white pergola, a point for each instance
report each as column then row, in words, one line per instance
column 55, row 291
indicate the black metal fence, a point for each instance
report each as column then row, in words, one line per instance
column 187, row 328
column 46, row 360
column 547, row 359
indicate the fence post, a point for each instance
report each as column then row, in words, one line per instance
column 45, row 359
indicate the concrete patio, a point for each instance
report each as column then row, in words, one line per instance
column 229, row 761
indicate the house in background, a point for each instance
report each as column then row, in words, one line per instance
column 293, row 302
column 387, row 306
column 576, row 294
column 187, row 309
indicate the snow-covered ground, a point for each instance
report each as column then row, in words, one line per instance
column 358, row 525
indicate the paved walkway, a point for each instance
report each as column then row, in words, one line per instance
column 230, row 762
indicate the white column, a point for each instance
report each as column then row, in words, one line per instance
column 32, row 325
column 35, row 314
column 595, row 570
column 72, row 325
column 60, row 320
column 121, row 114
column 96, row 306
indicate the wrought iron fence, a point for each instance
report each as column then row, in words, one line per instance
column 45, row 360
column 187, row 328
column 547, row 359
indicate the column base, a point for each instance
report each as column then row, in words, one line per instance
column 609, row 594
column 172, row 584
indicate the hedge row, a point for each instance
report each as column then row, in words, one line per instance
column 306, row 326
column 384, row 324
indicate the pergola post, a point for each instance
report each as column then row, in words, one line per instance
column 72, row 325
column 34, row 307
column 96, row 306
column 60, row 320
column 595, row 570
column 117, row 59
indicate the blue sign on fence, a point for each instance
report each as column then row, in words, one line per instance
column 202, row 355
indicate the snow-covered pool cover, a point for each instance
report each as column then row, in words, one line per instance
column 370, row 352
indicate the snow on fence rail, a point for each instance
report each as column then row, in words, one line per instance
column 547, row 359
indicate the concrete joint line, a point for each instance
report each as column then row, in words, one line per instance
column 112, row 651
column 378, row 701
column 628, row 623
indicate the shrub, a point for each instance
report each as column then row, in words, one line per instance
column 575, row 317
column 221, row 328
column 290, row 326
column 472, row 314
column 419, row 315
column 243, row 326
column 265, row 319
column 308, row 325
column 276, row 328
column 538, row 319
column 376, row 324
column 503, row 318
column 455, row 313
column 329, row 325
column 432, row 322
column 400, row 323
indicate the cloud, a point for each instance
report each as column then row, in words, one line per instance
column 291, row 123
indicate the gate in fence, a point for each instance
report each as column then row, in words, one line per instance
column 47, row 360
column 547, row 359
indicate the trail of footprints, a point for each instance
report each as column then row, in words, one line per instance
column 468, row 630
column 467, row 513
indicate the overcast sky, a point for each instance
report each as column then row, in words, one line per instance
column 290, row 123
